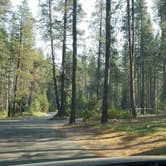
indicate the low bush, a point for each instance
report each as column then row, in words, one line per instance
column 88, row 109
column 119, row 114
column 40, row 104
column 3, row 114
column 91, row 110
column 161, row 107
column 44, row 105
column 112, row 114
column 90, row 114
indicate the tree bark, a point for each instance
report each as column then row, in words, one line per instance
column 104, row 118
column 131, row 50
column 133, row 57
column 73, row 104
column 142, row 96
column 164, row 82
column 16, row 76
column 99, row 50
column 9, row 88
column 53, row 58
column 63, row 61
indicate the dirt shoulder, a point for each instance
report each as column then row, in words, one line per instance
column 143, row 136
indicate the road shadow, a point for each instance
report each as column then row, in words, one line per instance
column 155, row 151
column 34, row 141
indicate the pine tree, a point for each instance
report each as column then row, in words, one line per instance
column 4, row 56
column 162, row 14
column 63, row 60
column 22, row 42
column 107, row 57
column 73, row 104
column 131, row 56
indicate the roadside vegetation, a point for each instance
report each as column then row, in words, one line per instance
column 4, row 116
column 142, row 136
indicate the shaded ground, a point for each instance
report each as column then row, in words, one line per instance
column 39, row 140
column 36, row 140
column 144, row 136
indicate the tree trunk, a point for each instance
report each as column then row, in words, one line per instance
column 7, row 91
column 63, row 61
column 73, row 104
column 142, row 96
column 131, row 50
column 164, row 83
column 9, row 88
column 31, row 90
column 53, row 58
column 16, row 75
column 133, row 57
column 163, row 50
column 104, row 118
column 154, row 90
column 99, row 50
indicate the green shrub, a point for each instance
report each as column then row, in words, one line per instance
column 162, row 107
column 3, row 114
column 52, row 107
column 119, row 114
column 35, row 106
column 82, row 103
column 90, row 115
column 40, row 104
column 88, row 109
column 43, row 103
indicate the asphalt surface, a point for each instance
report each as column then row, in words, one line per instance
column 36, row 140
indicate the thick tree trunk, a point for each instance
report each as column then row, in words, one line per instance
column 7, row 92
column 73, row 104
column 107, row 57
column 99, row 51
column 63, row 62
column 142, row 88
column 110, row 86
column 151, row 90
column 163, row 50
column 16, row 74
column 142, row 96
column 131, row 50
column 31, row 89
column 154, row 90
column 132, row 60
column 53, row 58
column 30, row 97
column 15, row 89
column 9, row 89
column 164, row 82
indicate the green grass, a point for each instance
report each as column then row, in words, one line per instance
column 141, row 136
column 140, row 128
column 38, row 114
column 3, row 115
column 143, row 128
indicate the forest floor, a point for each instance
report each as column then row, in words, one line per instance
column 34, row 140
column 3, row 115
column 143, row 136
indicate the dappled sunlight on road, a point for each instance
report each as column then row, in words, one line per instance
column 25, row 141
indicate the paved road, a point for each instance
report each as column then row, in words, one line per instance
column 36, row 140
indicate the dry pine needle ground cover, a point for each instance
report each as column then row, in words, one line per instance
column 143, row 136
